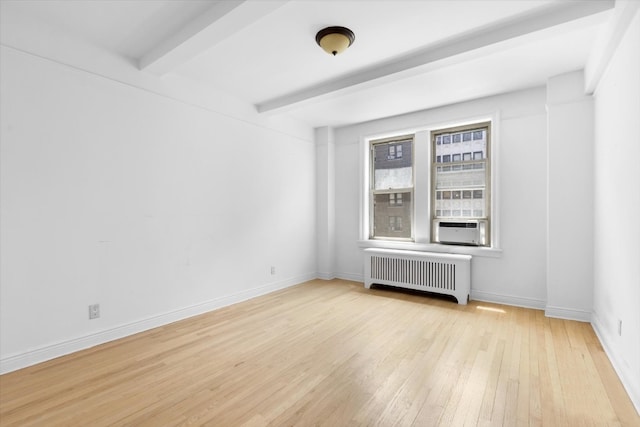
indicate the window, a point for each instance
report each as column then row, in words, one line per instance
column 461, row 189
column 416, row 181
column 395, row 223
column 395, row 151
column 391, row 188
column 395, row 199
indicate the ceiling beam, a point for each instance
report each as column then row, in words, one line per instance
column 222, row 20
column 443, row 53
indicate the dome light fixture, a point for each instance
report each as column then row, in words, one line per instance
column 335, row 40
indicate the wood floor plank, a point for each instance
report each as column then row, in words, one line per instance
column 527, row 392
column 332, row 353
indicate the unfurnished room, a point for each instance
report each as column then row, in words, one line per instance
column 319, row 212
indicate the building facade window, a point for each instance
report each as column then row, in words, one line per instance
column 395, row 199
column 395, row 151
column 395, row 224
column 391, row 191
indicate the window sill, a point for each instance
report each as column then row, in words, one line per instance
column 432, row 247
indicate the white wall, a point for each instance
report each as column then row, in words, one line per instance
column 518, row 275
column 617, row 210
column 569, row 198
column 325, row 198
column 153, row 207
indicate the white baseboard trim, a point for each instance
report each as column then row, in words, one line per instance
column 630, row 383
column 45, row 353
column 507, row 300
column 326, row 276
column 567, row 313
column 350, row 276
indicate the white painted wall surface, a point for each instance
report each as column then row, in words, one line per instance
column 325, row 199
column 570, row 198
column 153, row 207
column 518, row 276
column 617, row 210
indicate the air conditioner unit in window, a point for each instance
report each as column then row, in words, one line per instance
column 463, row 232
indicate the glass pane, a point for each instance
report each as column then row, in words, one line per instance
column 460, row 186
column 392, row 165
column 392, row 220
column 460, row 191
column 473, row 148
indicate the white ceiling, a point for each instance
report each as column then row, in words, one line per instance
column 407, row 56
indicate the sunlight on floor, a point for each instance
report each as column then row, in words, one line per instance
column 492, row 309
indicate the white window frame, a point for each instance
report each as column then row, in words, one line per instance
column 400, row 138
column 422, row 152
column 472, row 215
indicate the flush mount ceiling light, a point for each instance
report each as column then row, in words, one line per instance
column 335, row 40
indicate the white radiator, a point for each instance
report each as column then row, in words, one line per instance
column 433, row 272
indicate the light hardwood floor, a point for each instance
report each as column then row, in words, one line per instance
column 335, row 354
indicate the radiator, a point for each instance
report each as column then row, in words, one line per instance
column 433, row 272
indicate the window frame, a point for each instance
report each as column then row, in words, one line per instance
column 421, row 227
column 372, row 192
column 433, row 164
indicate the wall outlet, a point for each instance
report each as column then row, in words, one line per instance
column 94, row 311
column 273, row 269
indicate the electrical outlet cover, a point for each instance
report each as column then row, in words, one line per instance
column 94, row 311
